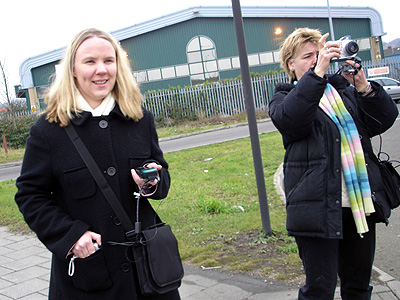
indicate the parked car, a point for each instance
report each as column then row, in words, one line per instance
column 391, row 86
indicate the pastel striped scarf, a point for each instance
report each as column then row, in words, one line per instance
column 352, row 155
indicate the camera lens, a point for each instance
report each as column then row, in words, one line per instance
column 351, row 48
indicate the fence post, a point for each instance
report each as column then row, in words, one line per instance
column 5, row 144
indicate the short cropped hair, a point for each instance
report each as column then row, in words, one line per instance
column 291, row 45
column 61, row 98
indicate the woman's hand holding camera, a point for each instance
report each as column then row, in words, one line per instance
column 331, row 50
column 358, row 80
column 327, row 51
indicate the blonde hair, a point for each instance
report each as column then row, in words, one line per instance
column 291, row 45
column 61, row 98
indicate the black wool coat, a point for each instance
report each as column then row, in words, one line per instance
column 60, row 200
column 312, row 163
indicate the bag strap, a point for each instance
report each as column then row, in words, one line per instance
column 101, row 181
column 371, row 154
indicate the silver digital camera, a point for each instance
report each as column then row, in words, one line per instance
column 348, row 49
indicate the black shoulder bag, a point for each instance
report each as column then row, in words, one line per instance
column 391, row 182
column 155, row 249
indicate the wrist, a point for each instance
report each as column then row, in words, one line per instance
column 319, row 72
column 366, row 90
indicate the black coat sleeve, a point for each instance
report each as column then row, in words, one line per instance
column 293, row 109
column 36, row 185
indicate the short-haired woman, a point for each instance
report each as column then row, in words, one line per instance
column 330, row 181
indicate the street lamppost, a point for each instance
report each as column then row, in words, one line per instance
column 251, row 117
column 330, row 22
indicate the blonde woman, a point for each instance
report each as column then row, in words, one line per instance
column 330, row 181
column 95, row 93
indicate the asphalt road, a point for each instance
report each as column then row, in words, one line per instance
column 213, row 137
column 388, row 238
column 11, row 172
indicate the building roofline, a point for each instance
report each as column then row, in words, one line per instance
column 214, row 12
column 28, row 64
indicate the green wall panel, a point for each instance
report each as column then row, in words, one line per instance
column 42, row 75
column 167, row 46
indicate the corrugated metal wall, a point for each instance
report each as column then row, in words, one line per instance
column 41, row 75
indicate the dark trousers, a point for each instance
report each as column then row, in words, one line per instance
column 351, row 258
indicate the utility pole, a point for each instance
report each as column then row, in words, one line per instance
column 251, row 117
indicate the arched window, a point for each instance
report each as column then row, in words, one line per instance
column 202, row 60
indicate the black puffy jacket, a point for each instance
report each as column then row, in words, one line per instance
column 312, row 163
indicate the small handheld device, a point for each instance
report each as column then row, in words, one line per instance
column 96, row 247
column 151, row 173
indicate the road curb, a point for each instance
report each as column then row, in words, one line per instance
column 209, row 130
column 10, row 164
column 389, row 281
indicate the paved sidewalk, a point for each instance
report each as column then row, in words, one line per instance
column 25, row 268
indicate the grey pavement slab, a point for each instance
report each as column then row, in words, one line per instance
column 220, row 291
column 25, row 274
column 24, row 289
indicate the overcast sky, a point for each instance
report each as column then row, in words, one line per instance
column 29, row 28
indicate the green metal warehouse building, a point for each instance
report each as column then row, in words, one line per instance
column 198, row 44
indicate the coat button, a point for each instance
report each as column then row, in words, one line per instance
column 125, row 267
column 111, row 171
column 338, row 233
column 116, row 221
column 103, row 124
column 337, row 140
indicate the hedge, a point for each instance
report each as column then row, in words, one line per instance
column 16, row 130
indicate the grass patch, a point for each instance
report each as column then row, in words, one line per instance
column 9, row 213
column 13, row 155
column 213, row 209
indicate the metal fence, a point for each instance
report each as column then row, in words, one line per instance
column 392, row 62
column 224, row 98
column 18, row 114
